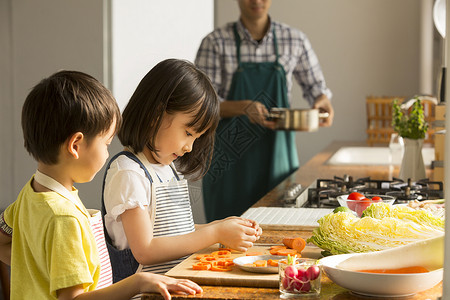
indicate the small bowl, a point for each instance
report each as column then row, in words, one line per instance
column 358, row 206
column 379, row 285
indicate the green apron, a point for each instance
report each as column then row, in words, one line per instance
column 249, row 160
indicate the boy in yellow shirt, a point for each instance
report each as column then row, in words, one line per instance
column 68, row 121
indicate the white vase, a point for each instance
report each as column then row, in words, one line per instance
column 412, row 166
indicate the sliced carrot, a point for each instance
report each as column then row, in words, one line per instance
column 277, row 247
column 201, row 266
column 291, row 252
column 208, row 259
column 200, row 256
column 253, row 253
column 221, row 253
column 221, row 268
column 261, row 263
column 223, row 263
column 275, row 250
column 250, row 265
column 272, row 262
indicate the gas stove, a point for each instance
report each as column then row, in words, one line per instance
column 323, row 193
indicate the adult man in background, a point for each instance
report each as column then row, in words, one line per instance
column 251, row 63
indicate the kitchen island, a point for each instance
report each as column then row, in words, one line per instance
column 308, row 173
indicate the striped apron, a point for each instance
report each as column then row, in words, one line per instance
column 172, row 215
column 95, row 222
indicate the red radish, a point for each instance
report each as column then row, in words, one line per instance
column 313, row 272
column 306, row 287
column 286, row 282
column 290, row 271
column 302, row 275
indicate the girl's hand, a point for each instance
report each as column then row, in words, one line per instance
column 257, row 228
column 236, row 233
column 164, row 285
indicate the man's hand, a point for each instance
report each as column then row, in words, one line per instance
column 257, row 114
column 324, row 105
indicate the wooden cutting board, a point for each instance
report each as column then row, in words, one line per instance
column 236, row 277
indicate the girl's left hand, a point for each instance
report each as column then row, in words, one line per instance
column 256, row 226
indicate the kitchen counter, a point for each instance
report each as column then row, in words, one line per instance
column 306, row 175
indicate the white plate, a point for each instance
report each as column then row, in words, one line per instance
column 241, row 261
column 380, row 285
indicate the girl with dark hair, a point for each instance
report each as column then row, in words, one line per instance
column 170, row 118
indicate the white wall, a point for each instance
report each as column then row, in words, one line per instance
column 38, row 38
column 365, row 48
column 147, row 32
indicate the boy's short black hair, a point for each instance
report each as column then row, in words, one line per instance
column 173, row 86
column 61, row 105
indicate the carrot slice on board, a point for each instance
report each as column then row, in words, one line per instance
column 274, row 251
column 222, row 263
column 201, row 266
column 221, row 253
column 200, row 256
column 220, row 268
column 208, row 259
column 277, row 247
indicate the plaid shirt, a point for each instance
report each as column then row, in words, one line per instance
column 217, row 58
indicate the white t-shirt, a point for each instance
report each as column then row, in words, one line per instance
column 127, row 187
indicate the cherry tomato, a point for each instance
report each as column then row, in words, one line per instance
column 376, row 199
column 362, row 205
column 355, row 197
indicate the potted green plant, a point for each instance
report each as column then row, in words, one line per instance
column 412, row 127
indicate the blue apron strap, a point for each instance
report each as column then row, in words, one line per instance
column 130, row 156
column 174, row 172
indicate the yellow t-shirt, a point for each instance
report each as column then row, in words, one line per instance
column 52, row 245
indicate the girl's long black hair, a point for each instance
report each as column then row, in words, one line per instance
column 173, row 86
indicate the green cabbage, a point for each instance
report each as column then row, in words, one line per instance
column 390, row 226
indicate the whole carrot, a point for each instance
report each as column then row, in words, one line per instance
column 297, row 243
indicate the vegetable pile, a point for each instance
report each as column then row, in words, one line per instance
column 382, row 226
column 298, row 277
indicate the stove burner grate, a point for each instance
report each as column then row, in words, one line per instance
column 327, row 190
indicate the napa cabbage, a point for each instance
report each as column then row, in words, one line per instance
column 343, row 232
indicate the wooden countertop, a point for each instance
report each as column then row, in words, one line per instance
column 306, row 175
